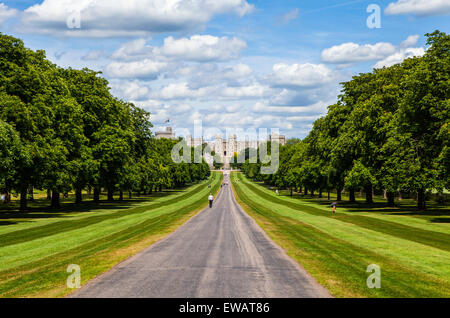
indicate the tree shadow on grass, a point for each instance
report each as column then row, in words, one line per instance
column 404, row 208
column 2, row 223
column 39, row 209
column 440, row 220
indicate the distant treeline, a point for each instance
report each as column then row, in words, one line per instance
column 62, row 130
column 388, row 131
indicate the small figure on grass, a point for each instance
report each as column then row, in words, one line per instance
column 333, row 207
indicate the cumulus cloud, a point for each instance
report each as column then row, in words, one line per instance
column 197, row 48
column 182, row 91
column 352, row 52
column 386, row 53
column 6, row 12
column 94, row 55
column 251, row 91
column 300, row 75
column 201, row 48
column 134, row 50
column 419, row 7
column 207, row 74
column 399, row 56
column 130, row 90
column 313, row 110
column 410, row 41
column 105, row 18
column 145, row 69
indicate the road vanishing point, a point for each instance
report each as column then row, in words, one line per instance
column 219, row 253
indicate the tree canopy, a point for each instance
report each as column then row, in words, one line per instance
column 389, row 130
column 63, row 130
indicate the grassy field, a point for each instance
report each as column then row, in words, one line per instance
column 37, row 247
column 412, row 249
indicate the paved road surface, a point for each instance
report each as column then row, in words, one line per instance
column 221, row 252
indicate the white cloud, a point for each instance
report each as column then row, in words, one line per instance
column 419, row 7
column 237, row 71
column 94, row 55
column 145, row 69
column 300, row 75
column 399, row 56
column 352, row 52
column 130, row 90
column 134, row 50
column 201, row 48
column 182, row 91
column 318, row 108
column 208, row 74
column 197, row 48
column 6, row 13
column 410, row 41
column 251, row 91
column 103, row 18
column 288, row 17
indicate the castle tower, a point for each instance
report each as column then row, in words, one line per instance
column 278, row 138
column 167, row 134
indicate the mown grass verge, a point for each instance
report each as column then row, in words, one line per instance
column 94, row 243
column 338, row 258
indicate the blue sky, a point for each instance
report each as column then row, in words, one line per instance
column 230, row 63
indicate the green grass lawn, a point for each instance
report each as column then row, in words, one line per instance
column 37, row 247
column 412, row 251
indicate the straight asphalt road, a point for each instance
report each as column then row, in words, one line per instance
column 220, row 253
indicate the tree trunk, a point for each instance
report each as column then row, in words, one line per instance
column 49, row 194
column 130, row 195
column 352, row 195
column 339, row 194
column 400, row 195
column 320, row 192
column 329, row 195
column 110, row 195
column 121, row 195
column 384, row 194
column 291, row 192
column 369, row 194
column 306, row 191
column 390, row 197
column 55, row 199
column 31, row 193
column 78, row 196
column 160, row 188
column 421, row 200
column 96, row 194
column 312, row 193
column 8, row 196
column 23, row 199
column 151, row 190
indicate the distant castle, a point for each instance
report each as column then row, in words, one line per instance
column 224, row 149
column 167, row 134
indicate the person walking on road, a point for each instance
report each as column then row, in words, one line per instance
column 211, row 199
column 333, row 207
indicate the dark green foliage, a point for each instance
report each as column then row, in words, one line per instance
column 389, row 131
column 62, row 130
